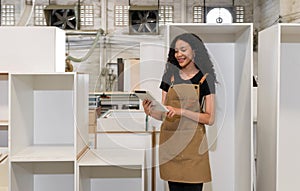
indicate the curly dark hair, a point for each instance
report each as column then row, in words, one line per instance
column 202, row 59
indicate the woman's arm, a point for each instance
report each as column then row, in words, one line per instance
column 163, row 97
column 207, row 117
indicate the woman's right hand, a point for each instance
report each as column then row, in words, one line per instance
column 147, row 106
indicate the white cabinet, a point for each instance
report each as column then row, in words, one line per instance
column 27, row 49
column 32, row 49
column 230, row 138
column 122, row 158
column 48, row 129
column 278, row 108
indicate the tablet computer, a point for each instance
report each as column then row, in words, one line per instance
column 146, row 95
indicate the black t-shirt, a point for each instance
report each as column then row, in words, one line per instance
column 206, row 88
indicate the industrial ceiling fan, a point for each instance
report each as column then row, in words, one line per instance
column 62, row 16
column 143, row 20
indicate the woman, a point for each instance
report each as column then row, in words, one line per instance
column 188, row 91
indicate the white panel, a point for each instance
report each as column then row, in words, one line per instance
column 50, row 182
column 82, row 111
column 268, row 59
column 53, row 117
column 60, row 49
column 131, row 74
column 221, row 134
column 288, row 167
column 123, row 140
column 46, row 52
column 122, row 120
column 152, row 64
column 124, row 184
column 21, row 177
column 83, row 182
column 243, row 111
column 21, row 113
column 3, row 136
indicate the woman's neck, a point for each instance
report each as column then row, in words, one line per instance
column 188, row 72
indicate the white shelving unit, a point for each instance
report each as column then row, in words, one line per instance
column 278, row 108
column 3, row 109
column 122, row 158
column 48, row 129
column 230, row 138
column 26, row 49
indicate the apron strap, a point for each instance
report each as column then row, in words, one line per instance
column 203, row 78
column 172, row 80
column 200, row 82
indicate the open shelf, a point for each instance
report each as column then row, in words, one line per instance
column 112, row 169
column 49, row 116
column 42, row 176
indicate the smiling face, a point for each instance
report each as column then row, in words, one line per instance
column 184, row 53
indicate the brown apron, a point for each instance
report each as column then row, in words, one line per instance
column 183, row 150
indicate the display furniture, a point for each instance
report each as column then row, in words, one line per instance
column 278, row 108
column 32, row 49
column 48, row 129
column 230, row 138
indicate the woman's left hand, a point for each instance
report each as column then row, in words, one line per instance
column 173, row 111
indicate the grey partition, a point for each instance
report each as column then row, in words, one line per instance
column 278, row 108
column 231, row 150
